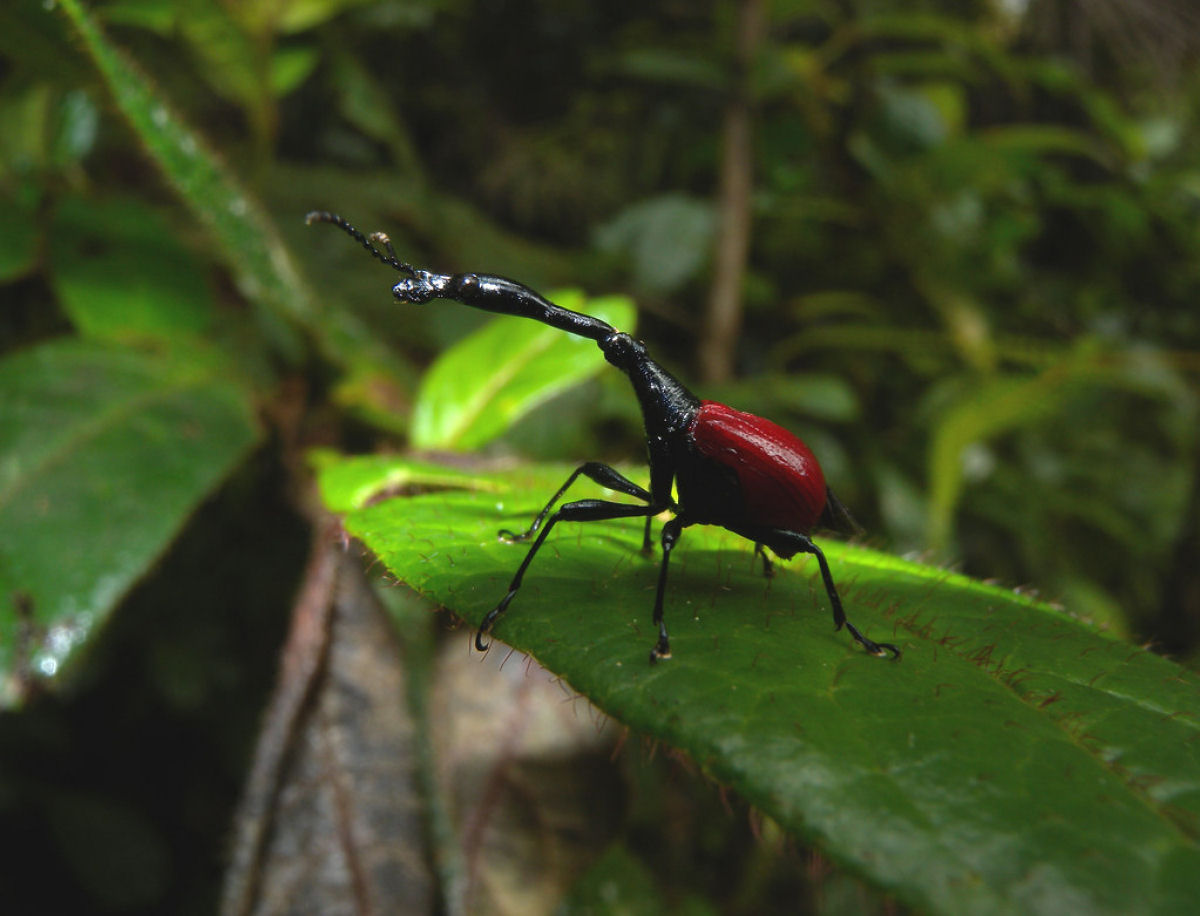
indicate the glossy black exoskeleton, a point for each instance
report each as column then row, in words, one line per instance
column 729, row 468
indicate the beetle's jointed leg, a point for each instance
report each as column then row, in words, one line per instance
column 584, row 510
column 602, row 474
column 839, row 615
column 670, row 535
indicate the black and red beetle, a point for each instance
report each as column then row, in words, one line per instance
column 729, row 468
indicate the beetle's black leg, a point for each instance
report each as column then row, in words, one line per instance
column 717, row 455
column 602, row 474
column 670, row 535
column 584, row 510
column 789, row 543
column 647, row 543
column 768, row 567
column 839, row 615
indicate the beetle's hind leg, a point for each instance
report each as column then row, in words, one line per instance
column 788, row 543
column 839, row 616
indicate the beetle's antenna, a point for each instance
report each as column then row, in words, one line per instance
column 382, row 239
column 390, row 259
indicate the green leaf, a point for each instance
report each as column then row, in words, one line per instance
column 491, row 378
column 153, row 15
column 616, row 884
column 76, row 130
column 1041, row 140
column 1014, row 761
column 121, row 274
column 349, row 483
column 244, row 236
column 300, row 15
column 673, row 68
column 262, row 267
column 667, row 238
column 814, row 394
column 291, row 66
column 18, row 233
column 365, row 104
column 229, row 57
column 1000, row 404
column 104, row 452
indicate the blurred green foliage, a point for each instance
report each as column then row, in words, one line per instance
column 971, row 287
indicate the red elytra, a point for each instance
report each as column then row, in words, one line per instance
column 781, row 482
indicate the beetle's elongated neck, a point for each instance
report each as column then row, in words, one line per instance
column 481, row 291
column 667, row 406
column 496, row 294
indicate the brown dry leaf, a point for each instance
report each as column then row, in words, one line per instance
column 331, row 821
column 525, row 768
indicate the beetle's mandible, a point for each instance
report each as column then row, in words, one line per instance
column 729, row 468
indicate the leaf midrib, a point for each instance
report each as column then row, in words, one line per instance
column 90, row 429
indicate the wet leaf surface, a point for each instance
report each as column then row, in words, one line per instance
column 104, row 453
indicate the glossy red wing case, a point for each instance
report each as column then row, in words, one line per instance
column 781, row 482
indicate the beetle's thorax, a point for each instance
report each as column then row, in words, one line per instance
column 667, row 406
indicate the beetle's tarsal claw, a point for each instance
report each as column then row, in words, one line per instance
column 880, row 649
column 661, row 651
column 479, row 643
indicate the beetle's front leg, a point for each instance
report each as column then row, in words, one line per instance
column 839, row 616
column 602, row 474
column 584, row 510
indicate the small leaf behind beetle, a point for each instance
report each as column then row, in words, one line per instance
column 493, row 377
